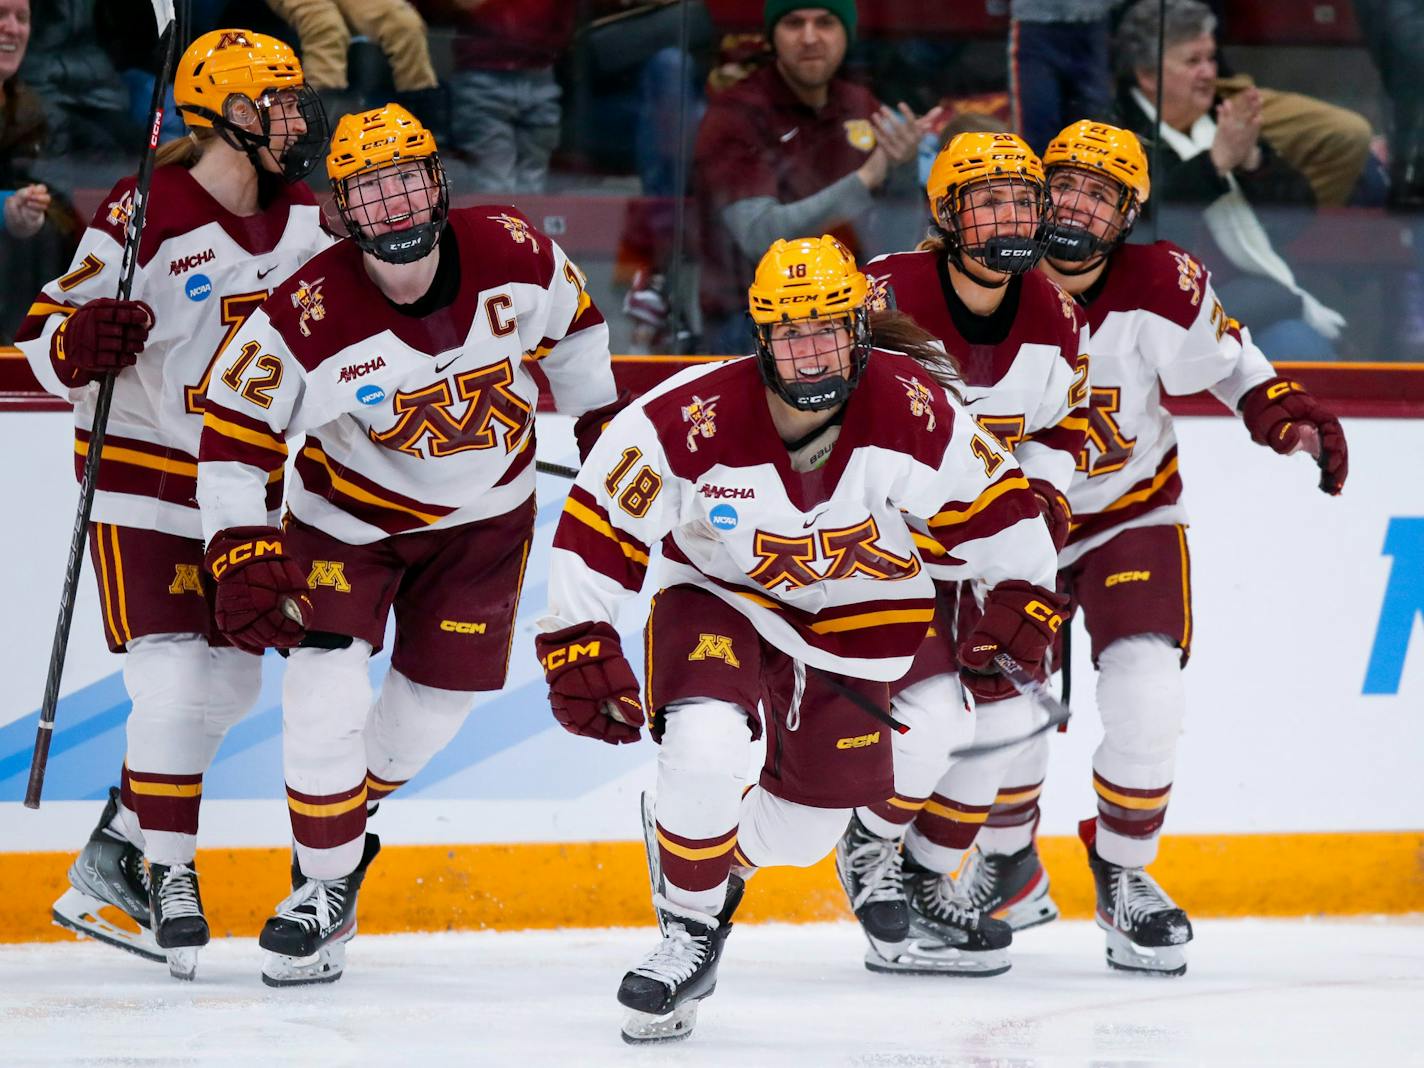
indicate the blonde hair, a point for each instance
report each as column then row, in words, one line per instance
column 184, row 151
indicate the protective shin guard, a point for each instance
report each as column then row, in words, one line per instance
column 1142, row 702
column 326, row 698
column 702, row 770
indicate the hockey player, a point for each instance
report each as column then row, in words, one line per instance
column 228, row 217
column 399, row 355
column 792, row 591
column 1157, row 326
column 1022, row 349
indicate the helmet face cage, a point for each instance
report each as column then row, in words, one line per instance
column 984, row 220
column 828, row 391
column 292, row 125
column 1084, row 223
column 365, row 204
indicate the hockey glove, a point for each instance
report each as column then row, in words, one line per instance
column 589, row 426
column 262, row 600
column 99, row 338
column 1020, row 619
column 1278, row 410
column 591, row 686
column 1054, row 507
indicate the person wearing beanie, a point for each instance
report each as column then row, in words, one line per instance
column 793, row 148
column 845, row 10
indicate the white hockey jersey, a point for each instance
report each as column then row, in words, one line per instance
column 1156, row 325
column 204, row 272
column 417, row 417
column 1025, row 367
column 822, row 563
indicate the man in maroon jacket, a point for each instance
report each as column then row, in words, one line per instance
column 794, row 148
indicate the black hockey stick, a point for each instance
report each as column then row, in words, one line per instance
column 860, row 701
column 546, row 468
column 1029, row 686
column 168, row 45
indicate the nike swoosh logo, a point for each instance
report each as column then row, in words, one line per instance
column 263, row 274
column 789, row 134
column 807, row 525
column 441, row 366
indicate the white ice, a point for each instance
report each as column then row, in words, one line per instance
column 1257, row 992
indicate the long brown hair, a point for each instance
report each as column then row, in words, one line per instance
column 184, row 151
column 897, row 332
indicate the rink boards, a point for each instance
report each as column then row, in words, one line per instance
column 1297, row 788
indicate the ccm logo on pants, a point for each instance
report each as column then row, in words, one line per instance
column 456, row 626
column 858, row 742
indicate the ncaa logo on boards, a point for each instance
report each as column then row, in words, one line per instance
column 723, row 517
column 1401, row 605
column 370, row 394
column 199, row 287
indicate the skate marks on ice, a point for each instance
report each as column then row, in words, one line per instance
column 1279, row 992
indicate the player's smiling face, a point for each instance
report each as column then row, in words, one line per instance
column 1086, row 201
column 808, row 350
column 392, row 198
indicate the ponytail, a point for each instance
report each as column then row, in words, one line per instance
column 184, row 151
column 897, row 332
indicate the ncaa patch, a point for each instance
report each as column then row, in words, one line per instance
column 723, row 517
column 370, row 394
column 199, row 287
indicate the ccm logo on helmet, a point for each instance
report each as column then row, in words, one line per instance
column 459, row 626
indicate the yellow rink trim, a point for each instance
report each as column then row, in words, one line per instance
column 605, row 884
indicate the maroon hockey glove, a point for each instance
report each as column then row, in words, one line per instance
column 1019, row 619
column 591, row 686
column 100, row 337
column 1280, row 413
column 591, row 424
column 262, row 600
column 1054, row 507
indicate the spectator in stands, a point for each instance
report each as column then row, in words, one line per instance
column 1394, row 34
column 792, row 149
column 1212, row 157
column 85, row 101
column 39, row 231
column 325, row 28
column 505, row 101
column 1059, row 68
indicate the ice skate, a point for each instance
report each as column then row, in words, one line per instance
column 306, row 939
column 109, row 876
column 1012, row 887
column 662, row 992
column 179, row 926
column 948, row 935
column 1146, row 930
column 869, row 870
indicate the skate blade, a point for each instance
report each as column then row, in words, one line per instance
column 325, row 966
column 183, row 963
column 1124, row 955
column 88, row 917
column 918, row 956
column 644, row 1027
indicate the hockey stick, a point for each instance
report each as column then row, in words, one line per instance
column 1029, row 686
column 546, row 468
column 860, row 701
column 167, row 23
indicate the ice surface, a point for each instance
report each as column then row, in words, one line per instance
column 1258, row 992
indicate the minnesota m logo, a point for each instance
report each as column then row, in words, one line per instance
column 428, row 427
column 329, row 573
column 716, row 647
column 185, row 580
